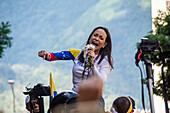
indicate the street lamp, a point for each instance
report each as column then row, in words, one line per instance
column 11, row 82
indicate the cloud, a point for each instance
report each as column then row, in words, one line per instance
column 144, row 4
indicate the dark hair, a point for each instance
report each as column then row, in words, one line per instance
column 59, row 101
column 71, row 104
column 103, row 51
column 122, row 104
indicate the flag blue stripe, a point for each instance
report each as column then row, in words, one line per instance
column 55, row 93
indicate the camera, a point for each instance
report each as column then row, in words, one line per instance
column 148, row 46
column 36, row 99
column 38, row 90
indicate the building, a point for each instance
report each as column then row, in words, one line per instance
column 155, row 6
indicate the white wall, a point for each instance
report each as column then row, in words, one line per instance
column 155, row 6
column 158, row 101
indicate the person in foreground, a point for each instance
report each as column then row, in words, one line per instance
column 86, row 101
column 59, row 103
column 123, row 104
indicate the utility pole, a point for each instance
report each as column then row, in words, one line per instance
column 11, row 82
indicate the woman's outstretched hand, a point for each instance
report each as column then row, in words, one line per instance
column 43, row 54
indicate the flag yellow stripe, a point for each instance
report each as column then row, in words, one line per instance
column 74, row 52
column 51, row 84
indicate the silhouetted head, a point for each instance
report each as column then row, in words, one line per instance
column 58, row 103
column 124, row 104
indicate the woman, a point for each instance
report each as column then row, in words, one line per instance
column 101, row 55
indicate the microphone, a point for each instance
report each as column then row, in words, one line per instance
column 89, row 58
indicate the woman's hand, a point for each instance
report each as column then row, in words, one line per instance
column 91, row 52
column 43, row 54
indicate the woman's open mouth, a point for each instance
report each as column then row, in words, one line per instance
column 95, row 44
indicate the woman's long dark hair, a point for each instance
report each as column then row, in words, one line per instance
column 103, row 51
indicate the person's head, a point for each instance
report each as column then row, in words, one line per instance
column 89, row 95
column 101, row 39
column 58, row 103
column 90, row 89
column 124, row 104
column 71, row 105
column 32, row 104
column 35, row 105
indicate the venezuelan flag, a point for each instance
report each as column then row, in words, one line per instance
column 69, row 54
column 52, row 87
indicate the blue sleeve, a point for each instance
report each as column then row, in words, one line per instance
column 63, row 55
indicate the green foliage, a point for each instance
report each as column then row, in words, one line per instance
column 5, row 40
column 162, row 34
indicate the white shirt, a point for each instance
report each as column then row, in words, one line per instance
column 100, row 70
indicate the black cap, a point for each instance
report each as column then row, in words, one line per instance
column 61, row 98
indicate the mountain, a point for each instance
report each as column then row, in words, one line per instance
column 59, row 25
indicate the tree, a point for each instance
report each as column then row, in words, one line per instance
column 5, row 40
column 162, row 34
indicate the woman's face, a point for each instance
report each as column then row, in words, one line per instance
column 98, row 39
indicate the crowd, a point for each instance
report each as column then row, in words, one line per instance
column 92, row 65
column 87, row 100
